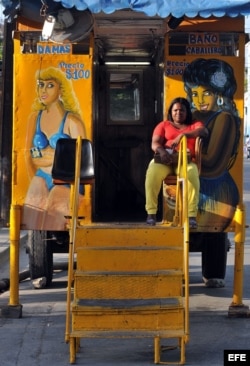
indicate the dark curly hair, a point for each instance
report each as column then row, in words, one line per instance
column 219, row 76
column 216, row 74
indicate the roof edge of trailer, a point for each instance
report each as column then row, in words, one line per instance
column 161, row 8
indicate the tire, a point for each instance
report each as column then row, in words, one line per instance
column 40, row 256
column 214, row 255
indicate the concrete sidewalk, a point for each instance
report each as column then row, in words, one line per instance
column 38, row 337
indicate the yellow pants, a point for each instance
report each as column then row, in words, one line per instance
column 155, row 175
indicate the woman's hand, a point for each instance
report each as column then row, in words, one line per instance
column 176, row 142
column 165, row 156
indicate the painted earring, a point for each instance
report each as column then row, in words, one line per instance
column 220, row 101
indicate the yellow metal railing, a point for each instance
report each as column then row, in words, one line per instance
column 15, row 217
column 181, row 218
column 180, row 215
column 73, row 224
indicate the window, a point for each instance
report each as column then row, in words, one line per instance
column 124, row 97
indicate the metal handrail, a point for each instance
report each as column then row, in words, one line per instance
column 181, row 216
column 74, row 197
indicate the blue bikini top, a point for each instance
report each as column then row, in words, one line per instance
column 41, row 141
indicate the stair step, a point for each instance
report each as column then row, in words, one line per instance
column 119, row 285
column 128, row 314
column 127, row 304
column 122, row 235
column 125, row 259
column 123, row 333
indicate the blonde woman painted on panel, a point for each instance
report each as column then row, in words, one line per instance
column 55, row 115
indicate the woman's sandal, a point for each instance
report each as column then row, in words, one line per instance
column 151, row 220
column 192, row 223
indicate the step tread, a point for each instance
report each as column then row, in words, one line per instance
column 128, row 225
column 135, row 248
column 159, row 303
column 167, row 272
column 129, row 333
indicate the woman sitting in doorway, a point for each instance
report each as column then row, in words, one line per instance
column 167, row 135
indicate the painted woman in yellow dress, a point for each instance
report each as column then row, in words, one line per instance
column 55, row 115
column 210, row 85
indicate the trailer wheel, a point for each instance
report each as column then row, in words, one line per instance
column 40, row 256
column 214, row 255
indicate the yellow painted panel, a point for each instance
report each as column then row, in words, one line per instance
column 213, row 82
column 44, row 206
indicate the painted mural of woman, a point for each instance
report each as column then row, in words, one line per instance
column 55, row 115
column 210, row 86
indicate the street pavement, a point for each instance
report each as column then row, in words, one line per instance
column 38, row 337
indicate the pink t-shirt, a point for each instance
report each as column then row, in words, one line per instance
column 166, row 130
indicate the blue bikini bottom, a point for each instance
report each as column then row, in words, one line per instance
column 49, row 181
column 47, row 177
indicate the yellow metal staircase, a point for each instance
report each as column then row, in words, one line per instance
column 129, row 280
